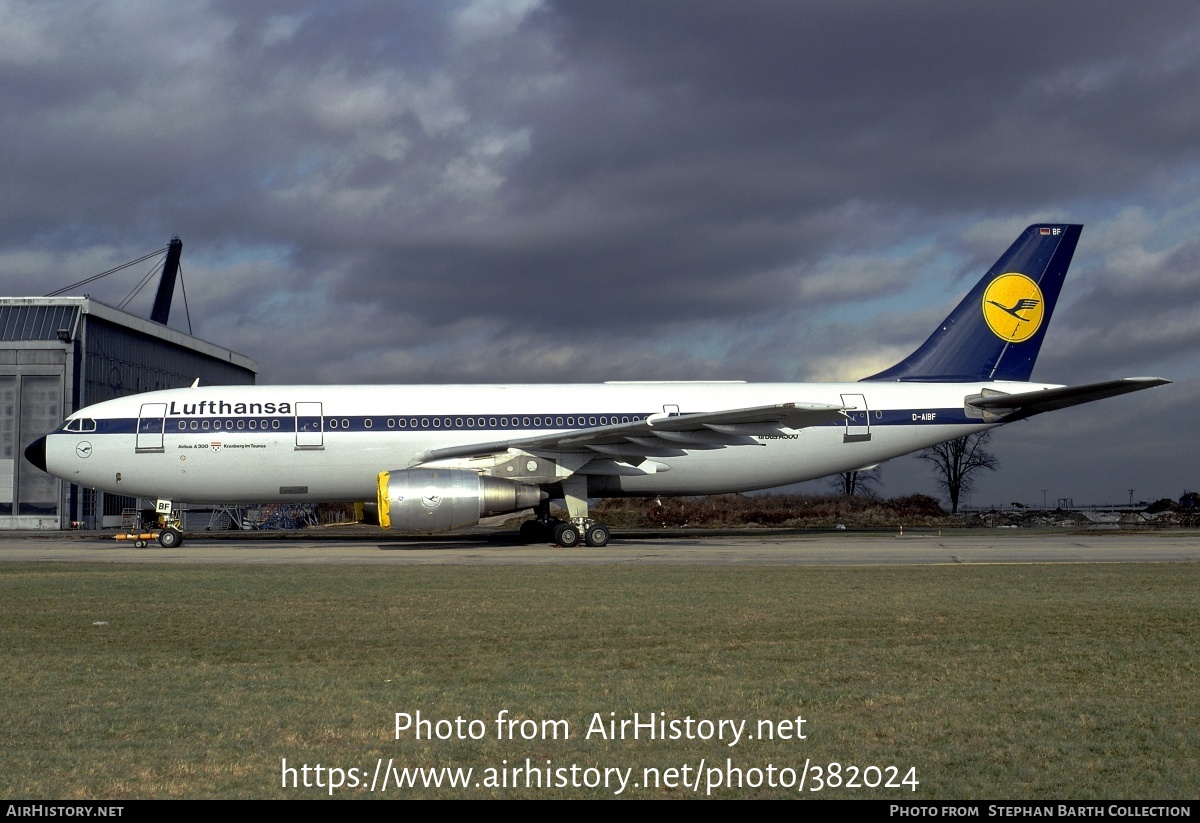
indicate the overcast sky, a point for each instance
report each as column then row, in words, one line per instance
column 529, row 191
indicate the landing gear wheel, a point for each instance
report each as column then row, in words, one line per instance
column 139, row 544
column 533, row 531
column 170, row 538
column 597, row 536
column 566, row 535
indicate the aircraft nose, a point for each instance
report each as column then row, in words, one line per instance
column 35, row 453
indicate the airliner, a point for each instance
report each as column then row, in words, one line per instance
column 436, row 458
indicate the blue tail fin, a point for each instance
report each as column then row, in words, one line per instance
column 996, row 331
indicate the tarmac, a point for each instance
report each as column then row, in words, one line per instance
column 364, row 545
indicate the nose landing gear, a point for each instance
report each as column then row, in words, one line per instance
column 170, row 538
column 167, row 528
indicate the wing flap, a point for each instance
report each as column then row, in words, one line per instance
column 790, row 415
column 641, row 438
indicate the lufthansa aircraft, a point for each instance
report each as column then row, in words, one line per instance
column 442, row 457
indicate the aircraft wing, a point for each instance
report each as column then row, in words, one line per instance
column 1027, row 404
column 659, row 435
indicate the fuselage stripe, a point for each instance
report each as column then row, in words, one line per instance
column 287, row 424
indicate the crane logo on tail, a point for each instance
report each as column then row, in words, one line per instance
column 1013, row 307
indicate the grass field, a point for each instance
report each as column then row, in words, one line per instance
column 1066, row 681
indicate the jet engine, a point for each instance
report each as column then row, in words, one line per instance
column 433, row 500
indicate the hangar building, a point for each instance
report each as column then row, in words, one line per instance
column 59, row 354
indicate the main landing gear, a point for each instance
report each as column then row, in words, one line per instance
column 566, row 533
column 595, row 535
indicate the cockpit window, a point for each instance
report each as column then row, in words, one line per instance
column 81, row 424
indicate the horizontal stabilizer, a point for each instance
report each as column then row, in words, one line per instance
column 1027, row 404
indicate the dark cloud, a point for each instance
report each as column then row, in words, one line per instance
column 942, row 104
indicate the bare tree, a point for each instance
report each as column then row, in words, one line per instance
column 860, row 483
column 955, row 461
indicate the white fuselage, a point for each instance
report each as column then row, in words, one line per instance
column 227, row 444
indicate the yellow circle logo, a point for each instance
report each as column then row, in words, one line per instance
column 1013, row 307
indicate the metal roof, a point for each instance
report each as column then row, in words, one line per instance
column 40, row 318
column 34, row 322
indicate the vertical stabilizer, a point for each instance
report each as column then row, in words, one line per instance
column 995, row 333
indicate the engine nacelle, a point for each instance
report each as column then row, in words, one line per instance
column 434, row 500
